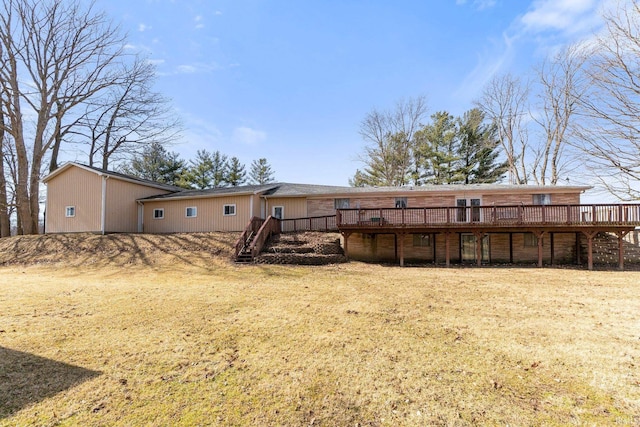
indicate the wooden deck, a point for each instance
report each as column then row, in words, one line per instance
column 482, row 220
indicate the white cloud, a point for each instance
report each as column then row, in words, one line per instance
column 478, row 4
column 156, row 61
column 217, row 13
column 187, row 69
column 248, row 136
column 558, row 14
column 143, row 27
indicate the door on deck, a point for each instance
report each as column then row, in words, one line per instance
column 468, row 248
column 465, row 214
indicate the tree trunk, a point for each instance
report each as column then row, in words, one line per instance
column 5, row 223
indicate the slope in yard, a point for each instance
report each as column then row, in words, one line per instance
column 117, row 249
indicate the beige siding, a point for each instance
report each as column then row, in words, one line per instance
column 75, row 187
column 121, row 206
column 294, row 207
column 209, row 215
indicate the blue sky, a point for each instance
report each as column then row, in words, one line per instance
column 292, row 80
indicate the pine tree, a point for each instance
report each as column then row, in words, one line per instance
column 236, row 174
column 438, row 147
column 260, row 172
column 479, row 149
column 157, row 164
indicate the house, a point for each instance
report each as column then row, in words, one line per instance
column 82, row 198
column 438, row 223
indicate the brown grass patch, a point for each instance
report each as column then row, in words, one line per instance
column 351, row 344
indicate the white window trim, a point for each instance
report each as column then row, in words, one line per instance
column 224, row 209
column 468, row 205
column 158, row 210
column 546, row 199
column 195, row 212
column 273, row 211
column 66, row 211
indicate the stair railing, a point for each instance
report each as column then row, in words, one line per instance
column 249, row 232
column 270, row 227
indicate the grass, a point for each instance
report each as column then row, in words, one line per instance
column 351, row 344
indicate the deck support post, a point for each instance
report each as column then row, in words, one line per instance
column 552, row 248
column 401, row 238
column 540, row 236
column 510, row 248
column 590, row 235
column 621, row 235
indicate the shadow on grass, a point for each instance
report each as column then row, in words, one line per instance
column 26, row 379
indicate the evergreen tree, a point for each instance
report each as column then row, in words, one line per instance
column 479, row 149
column 236, row 174
column 200, row 172
column 260, row 172
column 157, row 164
column 438, row 147
column 220, row 169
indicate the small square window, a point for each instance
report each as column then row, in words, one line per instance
column 158, row 214
column 70, row 211
column 401, row 202
column 341, row 203
column 191, row 212
column 530, row 240
column 229, row 210
column 422, row 240
column 542, row 199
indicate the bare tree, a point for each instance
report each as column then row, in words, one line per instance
column 504, row 101
column 389, row 153
column 5, row 223
column 611, row 134
column 129, row 116
column 562, row 84
column 55, row 55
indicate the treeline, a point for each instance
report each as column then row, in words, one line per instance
column 447, row 150
column 207, row 170
column 574, row 118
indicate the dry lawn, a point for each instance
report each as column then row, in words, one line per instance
column 210, row 343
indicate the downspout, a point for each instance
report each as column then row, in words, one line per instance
column 140, row 216
column 103, row 213
column 251, row 206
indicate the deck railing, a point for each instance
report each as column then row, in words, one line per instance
column 316, row 223
column 600, row 214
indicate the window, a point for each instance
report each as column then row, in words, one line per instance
column 530, row 240
column 158, row 214
column 278, row 212
column 341, row 203
column 422, row 240
column 542, row 199
column 191, row 212
column 229, row 210
column 401, row 202
column 70, row 211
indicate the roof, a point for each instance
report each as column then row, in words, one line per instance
column 310, row 190
column 111, row 174
column 214, row 192
column 284, row 189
